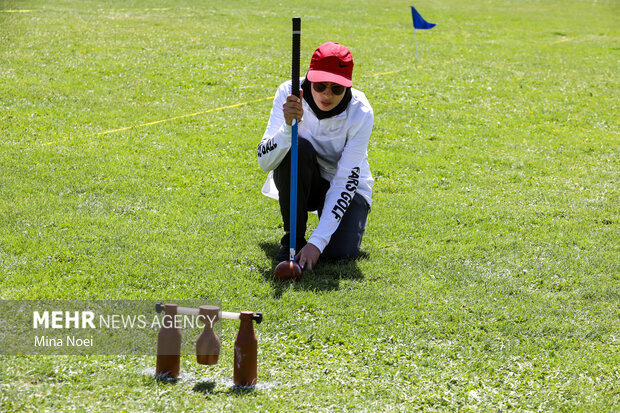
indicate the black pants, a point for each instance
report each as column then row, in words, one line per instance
column 311, row 190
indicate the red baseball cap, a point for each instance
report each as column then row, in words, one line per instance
column 331, row 62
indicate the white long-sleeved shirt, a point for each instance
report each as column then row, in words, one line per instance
column 341, row 144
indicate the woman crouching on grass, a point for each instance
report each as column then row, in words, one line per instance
column 334, row 179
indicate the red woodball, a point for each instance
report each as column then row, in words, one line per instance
column 288, row 270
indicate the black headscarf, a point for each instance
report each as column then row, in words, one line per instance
column 306, row 85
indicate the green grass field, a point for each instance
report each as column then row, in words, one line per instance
column 490, row 274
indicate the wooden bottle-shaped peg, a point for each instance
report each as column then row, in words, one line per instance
column 208, row 344
column 169, row 344
column 245, row 367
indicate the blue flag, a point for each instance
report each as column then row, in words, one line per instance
column 419, row 22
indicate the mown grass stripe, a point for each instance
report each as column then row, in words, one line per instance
column 187, row 115
column 202, row 112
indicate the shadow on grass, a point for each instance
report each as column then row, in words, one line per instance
column 326, row 275
column 207, row 388
column 165, row 379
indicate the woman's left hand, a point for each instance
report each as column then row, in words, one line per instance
column 308, row 257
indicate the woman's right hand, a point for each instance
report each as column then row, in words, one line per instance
column 293, row 108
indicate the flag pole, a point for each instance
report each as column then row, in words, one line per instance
column 415, row 39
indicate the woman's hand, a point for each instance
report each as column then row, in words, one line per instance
column 293, row 108
column 308, row 256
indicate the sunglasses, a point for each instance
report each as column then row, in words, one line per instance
column 336, row 89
